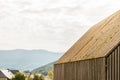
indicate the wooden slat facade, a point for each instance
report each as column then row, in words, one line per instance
column 106, row 68
column 93, row 69
column 113, row 64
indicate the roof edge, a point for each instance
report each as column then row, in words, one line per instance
column 80, row 60
column 112, row 49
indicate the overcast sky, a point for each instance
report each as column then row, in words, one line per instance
column 53, row 25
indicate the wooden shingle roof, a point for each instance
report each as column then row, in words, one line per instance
column 96, row 42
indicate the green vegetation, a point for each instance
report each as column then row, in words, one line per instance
column 19, row 76
column 29, row 78
column 44, row 69
column 37, row 77
column 50, row 74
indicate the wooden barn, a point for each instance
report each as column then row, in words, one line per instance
column 95, row 56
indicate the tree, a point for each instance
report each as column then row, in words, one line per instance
column 37, row 77
column 50, row 74
column 19, row 76
column 42, row 77
column 29, row 77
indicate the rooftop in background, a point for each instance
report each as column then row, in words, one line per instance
column 6, row 74
column 14, row 71
column 2, row 75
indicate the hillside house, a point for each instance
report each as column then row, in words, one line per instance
column 5, row 75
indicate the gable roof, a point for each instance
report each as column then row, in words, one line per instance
column 14, row 71
column 96, row 42
column 2, row 75
column 7, row 73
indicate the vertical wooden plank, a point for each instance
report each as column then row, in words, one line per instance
column 103, row 72
column 93, row 69
column 108, row 68
column 113, row 66
column 75, row 70
column 88, row 69
column 79, row 78
column 59, row 72
column 58, row 69
column 65, row 71
column 96, row 69
column 62, row 71
column 90, row 74
column 119, row 62
column 116, row 63
column 68, row 73
column 80, row 72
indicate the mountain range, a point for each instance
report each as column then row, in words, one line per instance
column 26, row 59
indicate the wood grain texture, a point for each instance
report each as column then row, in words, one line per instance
column 93, row 69
column 97, row 42
column 106, row 68
column 113, row 64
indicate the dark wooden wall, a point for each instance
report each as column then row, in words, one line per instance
column 93, row 69
column 107, row 68
column 113, row 64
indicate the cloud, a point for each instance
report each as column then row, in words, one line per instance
column 49, row 24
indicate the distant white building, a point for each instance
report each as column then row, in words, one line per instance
column 6, row 75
